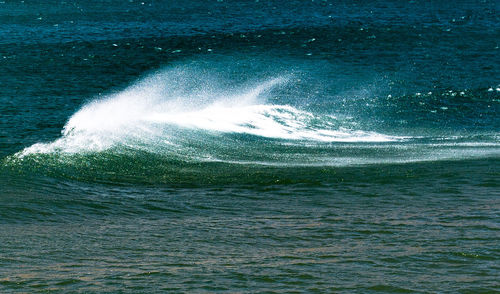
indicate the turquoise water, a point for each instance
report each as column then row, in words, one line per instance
column 262, row 146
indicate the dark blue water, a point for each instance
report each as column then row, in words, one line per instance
column 250, row 146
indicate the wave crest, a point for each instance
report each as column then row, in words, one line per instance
column 164, row 109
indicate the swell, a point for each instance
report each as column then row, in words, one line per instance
column 181, row 125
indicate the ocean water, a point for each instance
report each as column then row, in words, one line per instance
column 249, row 146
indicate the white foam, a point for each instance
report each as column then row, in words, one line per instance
column 270, row 121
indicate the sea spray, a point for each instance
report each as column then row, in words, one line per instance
column 160, row 110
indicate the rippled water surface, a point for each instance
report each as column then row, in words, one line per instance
column 257, row 146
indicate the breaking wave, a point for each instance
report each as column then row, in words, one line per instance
column 183, row 126
column 158, row 112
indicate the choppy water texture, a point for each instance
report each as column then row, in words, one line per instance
column 258, row 146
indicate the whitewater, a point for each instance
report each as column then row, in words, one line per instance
column 158, row 110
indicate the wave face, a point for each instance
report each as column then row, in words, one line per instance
column 185, row 117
